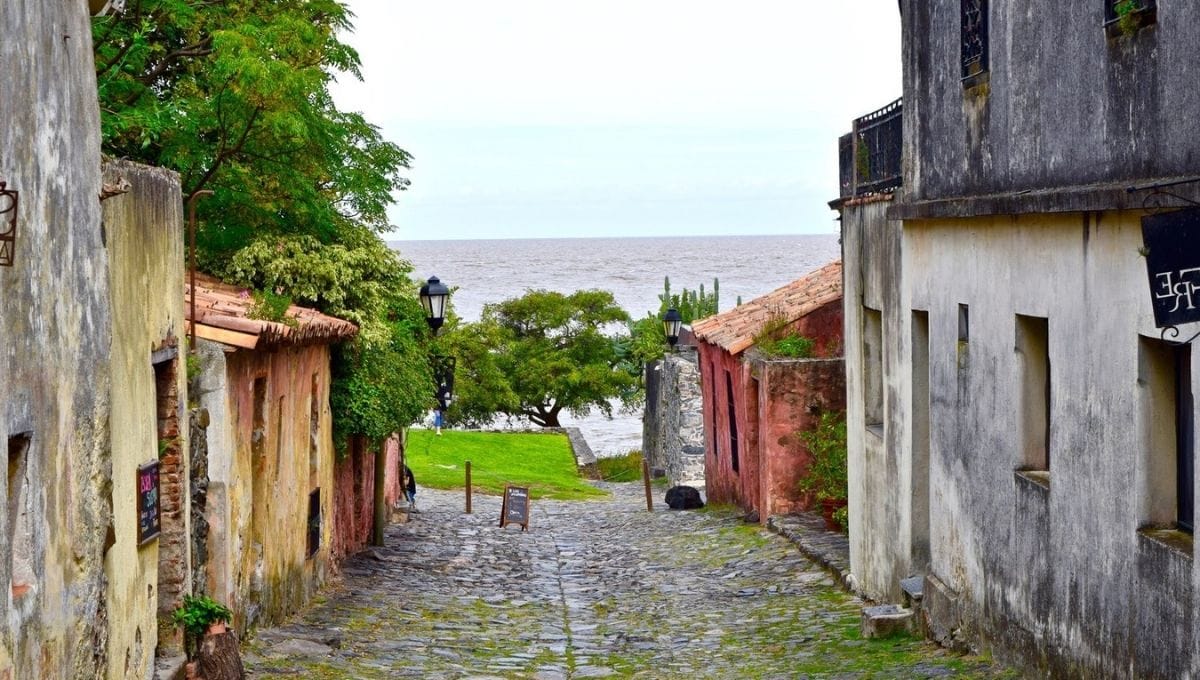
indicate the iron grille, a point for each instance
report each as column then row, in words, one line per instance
column 877, row 156
column 974, row 37
column 846, row 163
column 8, row 225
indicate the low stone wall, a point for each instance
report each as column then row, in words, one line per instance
column 674, row 435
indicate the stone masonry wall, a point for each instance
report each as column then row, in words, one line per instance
column 680, row 412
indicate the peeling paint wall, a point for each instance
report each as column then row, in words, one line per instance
column 772, row 400
column 55, row 336
column 354, row 495
column 266, row 455
column 144, row 233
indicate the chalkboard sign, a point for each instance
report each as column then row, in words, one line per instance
column 148, row 506
column 515, row 507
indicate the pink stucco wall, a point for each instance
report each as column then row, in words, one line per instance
column 772, row 401
column 354, row 494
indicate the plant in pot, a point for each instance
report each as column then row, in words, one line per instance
column 200, row 614
column 826, row 478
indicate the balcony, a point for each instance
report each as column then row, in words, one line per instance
column 869, row 156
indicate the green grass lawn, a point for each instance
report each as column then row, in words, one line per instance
column 627, row 468
column 542, row 462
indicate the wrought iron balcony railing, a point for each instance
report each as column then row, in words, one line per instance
column 869, row 157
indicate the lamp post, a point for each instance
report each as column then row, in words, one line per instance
column 672, row 321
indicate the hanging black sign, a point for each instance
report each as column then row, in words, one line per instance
column 1172, row 250
column 148, row 520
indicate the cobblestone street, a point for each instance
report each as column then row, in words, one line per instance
column 594, row 589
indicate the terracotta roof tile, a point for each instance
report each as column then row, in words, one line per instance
column 223, row 315
column 735, row 329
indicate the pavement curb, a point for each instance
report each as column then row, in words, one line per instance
column 830, row 549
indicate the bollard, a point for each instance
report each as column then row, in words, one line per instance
column 468, row 487
column 646, row 481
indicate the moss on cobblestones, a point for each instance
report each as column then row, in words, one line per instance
column 592, row 588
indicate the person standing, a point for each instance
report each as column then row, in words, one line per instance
column 410, row 489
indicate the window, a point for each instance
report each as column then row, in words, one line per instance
column 920, row 440
column 1129, row 15
column 1033, row 414
column 20, row 516
column 974, row 50
column 314, row 522
column 1168, row 433
column 259, row 434
column 872, row 367
column 733, row 430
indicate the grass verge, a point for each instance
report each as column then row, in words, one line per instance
column 627, row 468
column 541, row 461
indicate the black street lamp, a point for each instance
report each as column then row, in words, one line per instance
column 671, row 324
column 433, row 298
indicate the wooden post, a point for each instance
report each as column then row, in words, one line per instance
column 646, row 481
column 468, row 487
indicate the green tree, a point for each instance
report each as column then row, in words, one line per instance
column 539, row 355
column 647, row 340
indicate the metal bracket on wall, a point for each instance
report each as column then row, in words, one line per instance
column 8, row 224
column 1158, row 199
column 1173, row 332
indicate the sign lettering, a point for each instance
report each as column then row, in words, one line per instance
column 1172, row 250
column 148, row 507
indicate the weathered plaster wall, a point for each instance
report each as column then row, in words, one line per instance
column 145, row 241
column 765, row 395
column 680, row 427
column 724, row 484
column 1058, row 575
column 886, row 535
column 55, row 335
column 1065, row 105
column 354, row 494
column 792, row 396
column 261, row 475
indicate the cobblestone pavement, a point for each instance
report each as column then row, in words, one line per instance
column 594, row 589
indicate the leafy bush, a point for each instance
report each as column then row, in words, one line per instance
column 827, row 476
column 627, row 468
column 771, row 341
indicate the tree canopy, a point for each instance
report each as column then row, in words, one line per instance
column 234, row 96
column 539, row 355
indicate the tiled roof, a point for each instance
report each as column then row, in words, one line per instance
column 735, row 329
column 223, row 315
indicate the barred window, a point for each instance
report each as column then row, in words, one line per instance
column 974, row 38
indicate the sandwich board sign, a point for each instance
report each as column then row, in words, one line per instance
column 514, row 509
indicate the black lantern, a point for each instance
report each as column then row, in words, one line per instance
column 671, row 323
column 433, row 299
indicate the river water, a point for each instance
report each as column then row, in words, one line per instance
column 486, row 271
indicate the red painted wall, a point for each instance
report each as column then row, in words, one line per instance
column 773, row 400
column 354, row 494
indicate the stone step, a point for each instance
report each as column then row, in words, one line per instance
column 885, row 620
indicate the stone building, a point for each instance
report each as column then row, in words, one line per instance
column 265, row 385
column 1020, row 428
column 755, row 406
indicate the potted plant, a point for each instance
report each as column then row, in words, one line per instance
column 826, row 479
column 200, row 614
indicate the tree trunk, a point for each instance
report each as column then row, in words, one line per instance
column 381, row 509
column 218, row 658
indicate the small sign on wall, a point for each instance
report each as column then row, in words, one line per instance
column 1172, row 250
column 148, row 503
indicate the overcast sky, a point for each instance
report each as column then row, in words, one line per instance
column 567, row 118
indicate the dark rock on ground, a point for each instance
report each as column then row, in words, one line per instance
column 684, row 498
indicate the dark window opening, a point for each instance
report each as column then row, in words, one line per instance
column 1033, row 415
column 20, row 517
column 1185, row 438
column 1135, row 13
column 259, row 433
column 873, row 368
column 964, row 323
column 314, row 522
column 974, row 50
column 733, row 431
